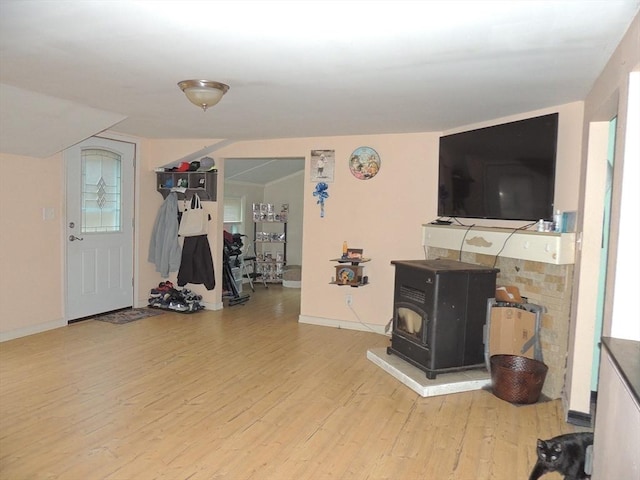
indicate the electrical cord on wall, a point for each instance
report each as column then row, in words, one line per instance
column 463, row 239
column 469, row 227
column 504, row 244
column 360, row 321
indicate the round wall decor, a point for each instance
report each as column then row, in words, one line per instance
column 364, row 163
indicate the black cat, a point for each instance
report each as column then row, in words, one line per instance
column 564, row 454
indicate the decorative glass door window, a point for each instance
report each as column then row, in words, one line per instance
column 101, row 191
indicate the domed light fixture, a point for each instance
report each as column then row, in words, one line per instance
column 203, row 93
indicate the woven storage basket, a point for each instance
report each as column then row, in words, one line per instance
column 517, row 379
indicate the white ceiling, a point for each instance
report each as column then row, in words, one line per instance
column 70, row 69
column 261, row 171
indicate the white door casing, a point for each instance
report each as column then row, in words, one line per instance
column 99, row 227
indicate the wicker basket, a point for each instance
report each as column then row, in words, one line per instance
column 517, row 379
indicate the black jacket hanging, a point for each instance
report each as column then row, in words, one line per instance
column 197, row 264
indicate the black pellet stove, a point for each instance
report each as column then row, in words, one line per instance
column 439, row 314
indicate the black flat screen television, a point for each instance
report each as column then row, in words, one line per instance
column 502, row 172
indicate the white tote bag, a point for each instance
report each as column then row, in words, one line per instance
column 194, row 219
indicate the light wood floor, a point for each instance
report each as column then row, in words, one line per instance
column 243, row 393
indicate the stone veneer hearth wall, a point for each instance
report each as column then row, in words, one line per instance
column 543, row 284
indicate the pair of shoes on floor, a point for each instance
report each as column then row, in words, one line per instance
column 162, row 289
column 167, row 297
column 190, row 296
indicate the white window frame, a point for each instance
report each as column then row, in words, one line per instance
column 234, row 208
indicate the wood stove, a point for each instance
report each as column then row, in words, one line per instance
column 439, row 314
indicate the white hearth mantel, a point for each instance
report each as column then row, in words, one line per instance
column 545, row 247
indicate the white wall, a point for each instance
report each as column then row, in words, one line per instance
column 31, row 247
column 587, row 272
column 610, row 97
column 290, row 190
column 384, row 215
column 623, row 323
column 152, row 154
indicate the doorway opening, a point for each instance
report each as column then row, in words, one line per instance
column 252, row 185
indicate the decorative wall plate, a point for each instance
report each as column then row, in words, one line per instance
column 364, row 163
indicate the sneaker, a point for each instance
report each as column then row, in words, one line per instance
column 178, row 306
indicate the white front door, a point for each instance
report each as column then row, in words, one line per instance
column 99, row 229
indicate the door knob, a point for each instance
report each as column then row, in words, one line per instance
column 73, row 237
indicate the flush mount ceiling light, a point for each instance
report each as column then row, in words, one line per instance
column 203, row 93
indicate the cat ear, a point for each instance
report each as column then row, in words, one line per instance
column 540, row 443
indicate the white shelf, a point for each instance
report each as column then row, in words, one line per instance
column 545, row 247
column 271, row 269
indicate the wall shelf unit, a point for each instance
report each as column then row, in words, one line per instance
column 350, row 272
column 185, row 184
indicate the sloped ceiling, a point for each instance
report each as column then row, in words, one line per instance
column 261, row 171
column 302, row 68
column 49, row 125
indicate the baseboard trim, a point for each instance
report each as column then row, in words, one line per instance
column 32, row 330
column 582, row 419
column 330, row 322
column 212, row 306
column 579, row 419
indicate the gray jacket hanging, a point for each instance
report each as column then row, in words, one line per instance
column 164, row 249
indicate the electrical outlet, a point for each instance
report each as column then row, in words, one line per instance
column 348, row 300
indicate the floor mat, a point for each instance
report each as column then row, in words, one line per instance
column 130, row 315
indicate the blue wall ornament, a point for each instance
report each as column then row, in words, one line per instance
column 321, row 193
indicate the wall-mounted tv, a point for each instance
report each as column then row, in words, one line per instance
column 503, row 172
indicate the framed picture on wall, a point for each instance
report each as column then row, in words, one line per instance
column 323, row 164
column 354, row 253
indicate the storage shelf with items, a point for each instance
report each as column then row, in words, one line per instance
column 270, row 241
column 350, row 271
column 185, row 184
